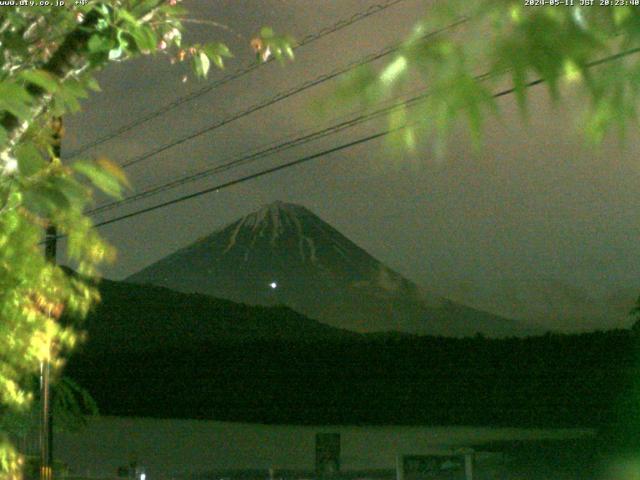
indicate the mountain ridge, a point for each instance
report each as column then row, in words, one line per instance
column 166, row 319
column 285, row 254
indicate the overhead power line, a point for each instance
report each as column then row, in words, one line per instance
column 330, row 151
column 282, row 96
column 262, row 153
column 249, row 177
column 344, row 23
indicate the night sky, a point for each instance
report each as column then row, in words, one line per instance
column 534, row 226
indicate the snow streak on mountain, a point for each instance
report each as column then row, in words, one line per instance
column 285, row 254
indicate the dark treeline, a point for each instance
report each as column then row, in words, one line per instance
column 154, row 352
column 542, row 381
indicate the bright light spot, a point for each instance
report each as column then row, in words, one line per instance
column 265, row 54
column 571, row 71
column 143, row 476
column 579, row 17
column 394, row 69
column 10, row 164
column 516, row 13
column 273, row 285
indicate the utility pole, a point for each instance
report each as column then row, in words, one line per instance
column 46, row 418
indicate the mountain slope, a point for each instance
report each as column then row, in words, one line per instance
column 139, row 318
column 284, row 254
column 548, row 301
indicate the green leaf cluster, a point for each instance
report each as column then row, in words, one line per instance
column 38, row 84
column 48, row 59
column 203, row 55
column 464, row 53
column 278, row 46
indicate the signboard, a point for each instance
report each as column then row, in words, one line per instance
column 327, row 454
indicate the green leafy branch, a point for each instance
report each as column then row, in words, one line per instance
column 47, row 61
column 587, row 51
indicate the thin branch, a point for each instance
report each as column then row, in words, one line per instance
column 39, row 22
column 5, row 24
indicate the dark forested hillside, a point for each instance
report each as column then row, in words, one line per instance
column 139, row 318
column 155, row 352
column 160, row 353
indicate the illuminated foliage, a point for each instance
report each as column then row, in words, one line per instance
column 47, row 59
column 465, row 53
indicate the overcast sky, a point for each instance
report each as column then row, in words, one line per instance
column 534, row 221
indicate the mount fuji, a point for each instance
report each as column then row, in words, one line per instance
column 285, row 254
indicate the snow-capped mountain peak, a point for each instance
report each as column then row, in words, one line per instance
column 285, row 254
column 272, row 221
